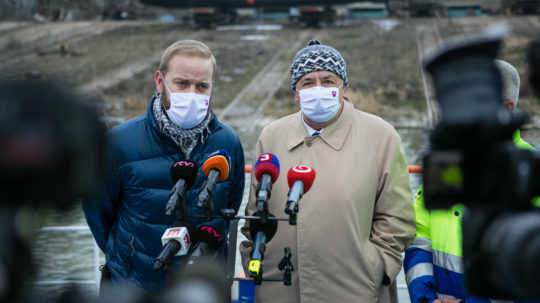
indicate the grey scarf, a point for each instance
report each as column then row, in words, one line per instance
column 185, row 139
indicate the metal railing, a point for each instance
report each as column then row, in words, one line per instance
column 413, row 169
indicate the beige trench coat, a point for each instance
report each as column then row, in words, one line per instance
column 355, row 221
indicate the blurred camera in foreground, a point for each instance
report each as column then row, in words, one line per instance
column 474, row 161
column 52, row 152
column 53, row 145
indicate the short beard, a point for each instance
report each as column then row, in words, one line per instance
column 165, row 99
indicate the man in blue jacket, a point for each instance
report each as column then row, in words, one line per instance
column 128, row 217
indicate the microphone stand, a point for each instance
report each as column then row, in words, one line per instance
column 264, row 191
column 294, row 196
column 205, row 196
column 231, row 219
column 175, row 197
column 287, row 267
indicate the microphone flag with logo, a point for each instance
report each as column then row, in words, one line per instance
column 209, row 235
column 183, row 174
column 267, row 164
column 176, row 241
column 186, row 170
column 218, row 160
column 266, row 173
column 302, row 173
column 216, row 168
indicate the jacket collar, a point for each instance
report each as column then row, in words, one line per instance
column 334, row 135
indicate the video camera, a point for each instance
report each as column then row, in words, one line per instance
column 474, row 161
column 53, row 145
column 52, row 152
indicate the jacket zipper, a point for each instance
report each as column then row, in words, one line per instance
column 132, row 245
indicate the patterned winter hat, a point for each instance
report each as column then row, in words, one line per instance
column 316, row 57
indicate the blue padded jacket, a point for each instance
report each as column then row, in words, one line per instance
column 127, row 218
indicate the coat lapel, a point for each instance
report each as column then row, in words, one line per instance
column 334, row 135
column 297, row 133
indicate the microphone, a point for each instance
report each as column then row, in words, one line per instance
column 186, row 240
column 266, row 173
column 262, row 232
column 205, row 243
column 216, row 168
column 176, row 239
column 210, row 236
column 176, row 242
column 183, row 174
column 300, row 179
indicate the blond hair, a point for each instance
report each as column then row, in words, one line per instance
column 186, row 47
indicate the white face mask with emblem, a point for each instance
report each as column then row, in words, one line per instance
column 319, row 104
column 187, row 110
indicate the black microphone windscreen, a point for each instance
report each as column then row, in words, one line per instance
column 269, row 228
column 186, row 170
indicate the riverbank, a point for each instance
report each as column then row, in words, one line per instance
column 115, row 62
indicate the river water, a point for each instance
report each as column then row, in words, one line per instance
column 63, row 255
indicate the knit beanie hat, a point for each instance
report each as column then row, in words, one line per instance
column 316, row 57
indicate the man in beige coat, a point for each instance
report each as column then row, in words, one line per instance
column 357, row 218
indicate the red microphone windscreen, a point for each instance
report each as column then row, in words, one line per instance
column 302, row 173
column 267, row 164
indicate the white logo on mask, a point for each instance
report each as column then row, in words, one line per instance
column 319, row 104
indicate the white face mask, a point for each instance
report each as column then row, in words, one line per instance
column 187, row 110
column 319, row 104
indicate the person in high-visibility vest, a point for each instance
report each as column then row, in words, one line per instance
column 433, row 262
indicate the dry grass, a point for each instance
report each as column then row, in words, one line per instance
column 367, row 102
column 382, row 66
